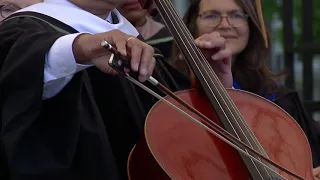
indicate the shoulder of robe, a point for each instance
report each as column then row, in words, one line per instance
column 285, row 92
column 290, row 101
column 37, row 20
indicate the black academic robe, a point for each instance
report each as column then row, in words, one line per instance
column 84, row 132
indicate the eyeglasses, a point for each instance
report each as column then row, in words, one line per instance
column 8, row 9
column 213, row 19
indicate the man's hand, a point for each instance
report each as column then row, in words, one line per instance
column 219, row 57
column 87, row 49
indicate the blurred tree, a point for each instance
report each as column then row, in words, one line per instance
column 273, row 8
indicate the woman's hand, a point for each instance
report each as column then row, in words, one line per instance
column 219, row 57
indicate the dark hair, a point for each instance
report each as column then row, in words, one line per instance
column 250, row 68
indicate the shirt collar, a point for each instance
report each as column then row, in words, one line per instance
column 68, row 3
column 79, row 19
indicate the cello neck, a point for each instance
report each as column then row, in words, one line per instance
column 203, row 72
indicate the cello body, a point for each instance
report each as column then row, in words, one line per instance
column 173, row 147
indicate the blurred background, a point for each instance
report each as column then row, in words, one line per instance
column 294, row 26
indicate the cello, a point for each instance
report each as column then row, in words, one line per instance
column 174, row 148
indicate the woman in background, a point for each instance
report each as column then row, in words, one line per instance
column 155, row 33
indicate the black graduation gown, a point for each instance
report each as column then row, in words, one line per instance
column 84, row 132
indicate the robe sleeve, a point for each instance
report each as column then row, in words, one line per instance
column 33, row 136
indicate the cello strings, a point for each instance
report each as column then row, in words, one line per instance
column 190, row 44
column 237, row 113
column 199, row 123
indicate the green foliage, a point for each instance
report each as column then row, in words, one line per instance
column 316, row 20
column 269, row 8
column 274, row 8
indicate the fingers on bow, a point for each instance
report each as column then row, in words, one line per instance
column 141, row 58
column 141, row 55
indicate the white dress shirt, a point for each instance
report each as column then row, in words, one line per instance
column 61, row 65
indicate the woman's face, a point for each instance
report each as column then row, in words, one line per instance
column 227, row 18
column 10, row 6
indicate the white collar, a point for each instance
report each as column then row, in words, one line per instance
column 68, row 3
column 80, row 19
